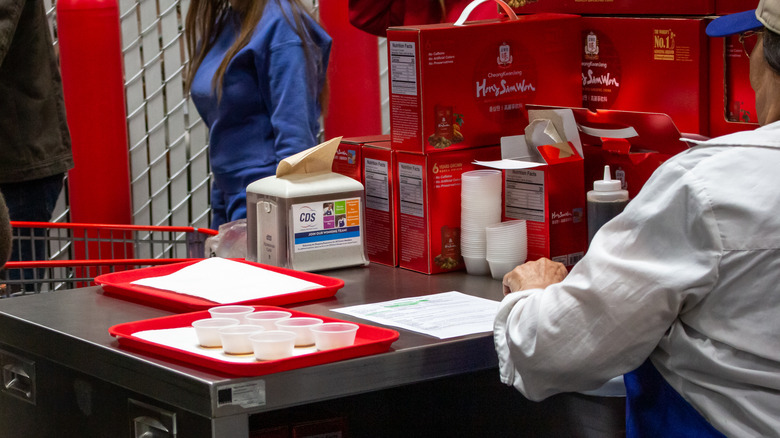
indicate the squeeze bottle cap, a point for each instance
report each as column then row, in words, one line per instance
column 607, row 184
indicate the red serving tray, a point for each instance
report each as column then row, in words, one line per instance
column 368, row 340
column 120, row 284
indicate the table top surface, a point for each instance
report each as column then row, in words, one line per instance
column 71, row 328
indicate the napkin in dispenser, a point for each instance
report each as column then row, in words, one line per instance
column 307, row 217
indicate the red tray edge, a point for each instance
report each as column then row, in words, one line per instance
column 372, row 347
column 177, row 302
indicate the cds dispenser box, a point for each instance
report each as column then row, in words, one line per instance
column 307, row 218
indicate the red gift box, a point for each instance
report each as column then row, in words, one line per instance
column 549, row 196
column 381, row 200
column 347, row 159
column 732, row 99
column 620, row 7
column 723, row 7
column 654, row 65
column 429, row 189
column 458, row 87
column 633, row 144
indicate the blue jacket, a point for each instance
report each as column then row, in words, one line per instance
column 269, row 108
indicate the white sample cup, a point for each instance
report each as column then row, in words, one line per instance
column 301, row 326
column 334, row 335
column 207, row 330
column 235, row 339
column 233, row 311
column 272, row 345
column 476, row 265
column 499, row 268
column 267, row 318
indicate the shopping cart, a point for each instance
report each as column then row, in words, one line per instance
column 58, row 256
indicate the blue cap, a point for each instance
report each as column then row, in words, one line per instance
column 734, row 23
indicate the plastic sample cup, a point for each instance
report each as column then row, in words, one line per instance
column 267, row 318
column 207, row 330
column 235, row 339
column 272, row 345
column 334, row 335
column 301, row 326
column 499, row 268
column 233, row 311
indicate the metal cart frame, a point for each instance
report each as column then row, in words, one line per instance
column 59, row 256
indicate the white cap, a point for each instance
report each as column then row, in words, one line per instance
column 768, row 13
column 607, row 184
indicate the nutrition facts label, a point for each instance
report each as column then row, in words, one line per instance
column 525, row 194
column 377, row 187
column 411, row 189
column 403, row 68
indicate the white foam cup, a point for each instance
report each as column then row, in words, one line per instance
column 301, row 326
column 267, row 318
column 235, row 339
column 272, row 345
column 207, row 330
column 334, row 335
column 231, row 311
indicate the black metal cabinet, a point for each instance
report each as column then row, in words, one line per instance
column 56, row 347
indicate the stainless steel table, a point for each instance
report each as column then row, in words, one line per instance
column 63, row 370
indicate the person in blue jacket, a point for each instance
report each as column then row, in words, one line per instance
column 258, row 79
column 680, row 292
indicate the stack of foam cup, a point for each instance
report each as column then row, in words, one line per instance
column 480, row 202
column 507, row 246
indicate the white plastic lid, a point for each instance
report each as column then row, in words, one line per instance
column 607, row 184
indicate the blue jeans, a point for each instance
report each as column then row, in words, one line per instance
column 31, row 201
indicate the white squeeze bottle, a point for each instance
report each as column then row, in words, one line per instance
column 605, row 201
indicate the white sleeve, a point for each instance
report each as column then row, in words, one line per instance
column 642, row 269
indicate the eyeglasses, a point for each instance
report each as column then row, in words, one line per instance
column 749, row 39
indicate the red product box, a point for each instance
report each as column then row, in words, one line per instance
column 458, row 87
column 549, row 195
column 620, row 7
column 723, row 7
column 732, row 100
column 633, row 144
column 428, row 188
column 347, row 160
column 380, row 209
column 656, row 65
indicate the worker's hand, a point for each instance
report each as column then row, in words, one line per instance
column 537, row 274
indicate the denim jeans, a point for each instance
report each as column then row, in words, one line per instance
column 31, row 201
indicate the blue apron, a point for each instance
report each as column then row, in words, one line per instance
column 655, row 409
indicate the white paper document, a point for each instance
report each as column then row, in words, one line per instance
column 443, row 315
column 227, row 281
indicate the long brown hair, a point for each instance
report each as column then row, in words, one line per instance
column 206, row 19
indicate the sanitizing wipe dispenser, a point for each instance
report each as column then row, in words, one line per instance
column 307, row 217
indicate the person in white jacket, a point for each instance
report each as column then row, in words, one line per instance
column 680, row 292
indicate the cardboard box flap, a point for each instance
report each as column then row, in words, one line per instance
column 646, row 132
column 550, row 137
column 313, row 160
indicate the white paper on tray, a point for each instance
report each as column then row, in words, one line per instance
column 227, row 281
column 184, row 338
column 443, row 315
